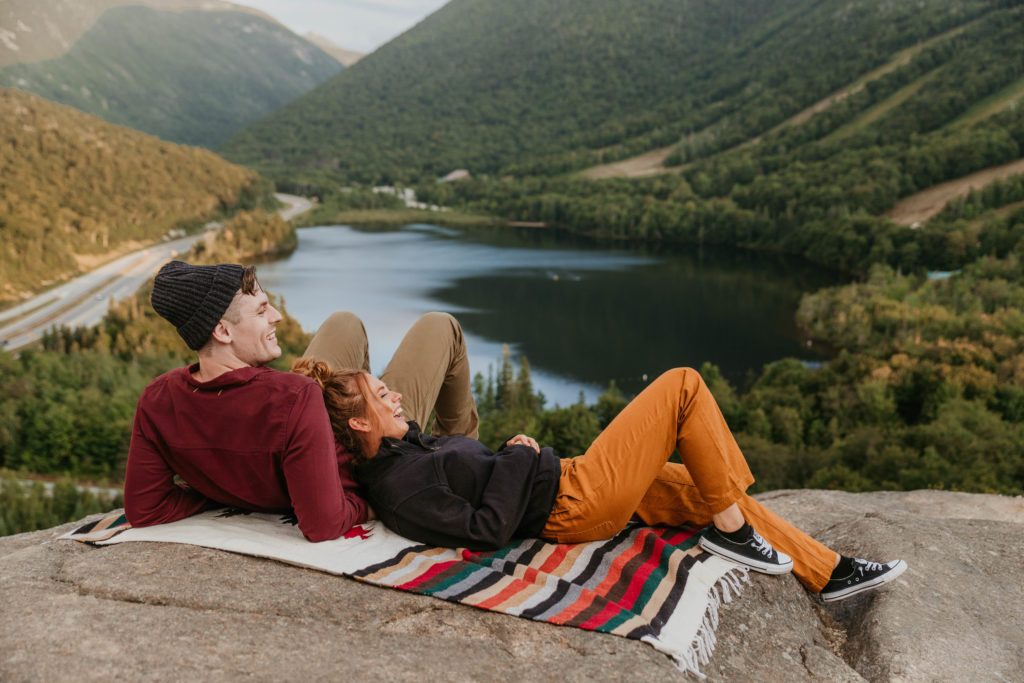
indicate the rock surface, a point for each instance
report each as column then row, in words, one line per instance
column 173, row 612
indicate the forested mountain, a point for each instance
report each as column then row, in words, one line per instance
column 545, row 86
column 73, row 185
column 190, row 75
column 346, row 57
column 33, row 30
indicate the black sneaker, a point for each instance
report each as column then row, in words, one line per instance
column 864, row 577
column 753, row 552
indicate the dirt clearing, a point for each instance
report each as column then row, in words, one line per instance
column 649, row 163
column 918, row 208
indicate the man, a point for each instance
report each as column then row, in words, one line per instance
column 241, row 434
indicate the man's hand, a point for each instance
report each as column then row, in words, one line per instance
column 523, row 440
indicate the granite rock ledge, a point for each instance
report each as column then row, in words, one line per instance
column 170, row 612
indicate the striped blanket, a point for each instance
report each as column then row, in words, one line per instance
column 647, row 583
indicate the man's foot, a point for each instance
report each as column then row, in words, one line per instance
column 854, row 576
column 746, row 547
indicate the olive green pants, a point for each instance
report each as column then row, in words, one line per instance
column 430, row 368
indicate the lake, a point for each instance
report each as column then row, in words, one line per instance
column 584, row 314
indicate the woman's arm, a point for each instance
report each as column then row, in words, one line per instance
column 437, row 515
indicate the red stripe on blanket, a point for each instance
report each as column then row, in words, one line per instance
column 515, row 586
column 556, row 558
column 675, row 536
column 609, row 611
column 615, row 570
column 636, row 583
column 585, row 600
column 610, row 579
column 551, row 563
column 426, row 576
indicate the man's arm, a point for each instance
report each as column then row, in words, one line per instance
column 150, row 494
column 350, row 486
column 324, row 508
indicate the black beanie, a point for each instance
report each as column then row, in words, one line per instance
column 193, row 298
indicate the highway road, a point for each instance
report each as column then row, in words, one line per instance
column 85, row 300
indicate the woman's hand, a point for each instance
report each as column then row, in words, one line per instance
column 523, row 440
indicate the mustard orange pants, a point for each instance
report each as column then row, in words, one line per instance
column 625, row 472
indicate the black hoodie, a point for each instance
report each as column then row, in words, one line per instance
column 453, row 491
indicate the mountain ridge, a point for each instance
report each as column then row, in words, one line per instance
column 344, row 56
column 53, row 26
column 553, row 87
column 188, row 76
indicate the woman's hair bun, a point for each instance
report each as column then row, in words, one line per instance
column 318, row 370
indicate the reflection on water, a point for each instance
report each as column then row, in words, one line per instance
column 584, row 314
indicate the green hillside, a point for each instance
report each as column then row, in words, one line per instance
column 193, row 77
column 34, row 30
column 818, row 186
column 544, row 86
column 74, row 188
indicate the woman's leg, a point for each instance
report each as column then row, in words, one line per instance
column 673, row 499
column 341, row 343
column 605, row 485
column 600, row 490
column 431, row 371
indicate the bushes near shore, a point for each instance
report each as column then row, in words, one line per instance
column 27, row 505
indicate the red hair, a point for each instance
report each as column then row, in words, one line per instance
column 347, row 395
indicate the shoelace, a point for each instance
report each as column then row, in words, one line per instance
column 762, row 545
column 867, row 566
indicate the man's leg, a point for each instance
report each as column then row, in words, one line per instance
column 625, row 471
column 431, row 371
column 341, row 343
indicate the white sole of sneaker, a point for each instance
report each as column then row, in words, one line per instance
column 763, row 567
column 885, row 578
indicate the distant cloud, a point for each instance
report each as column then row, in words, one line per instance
column 360, row 25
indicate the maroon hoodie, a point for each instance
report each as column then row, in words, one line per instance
column 253, row 438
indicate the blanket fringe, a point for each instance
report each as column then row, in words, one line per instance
column 703, row 645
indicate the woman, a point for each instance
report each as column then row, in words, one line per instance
column 453, row 491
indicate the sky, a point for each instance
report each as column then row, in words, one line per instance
column 360, row 25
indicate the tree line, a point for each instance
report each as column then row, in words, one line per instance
column 30, row 505
column 66, row 409
column 74, row 187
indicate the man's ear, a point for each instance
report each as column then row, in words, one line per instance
column 221, row 333
column 359, row 424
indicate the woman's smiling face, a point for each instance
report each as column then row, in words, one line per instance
column 388, row 409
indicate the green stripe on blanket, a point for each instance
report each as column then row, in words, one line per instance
column 647, row 583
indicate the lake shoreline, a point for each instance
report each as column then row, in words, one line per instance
column 554, row 298
column 372, row 218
